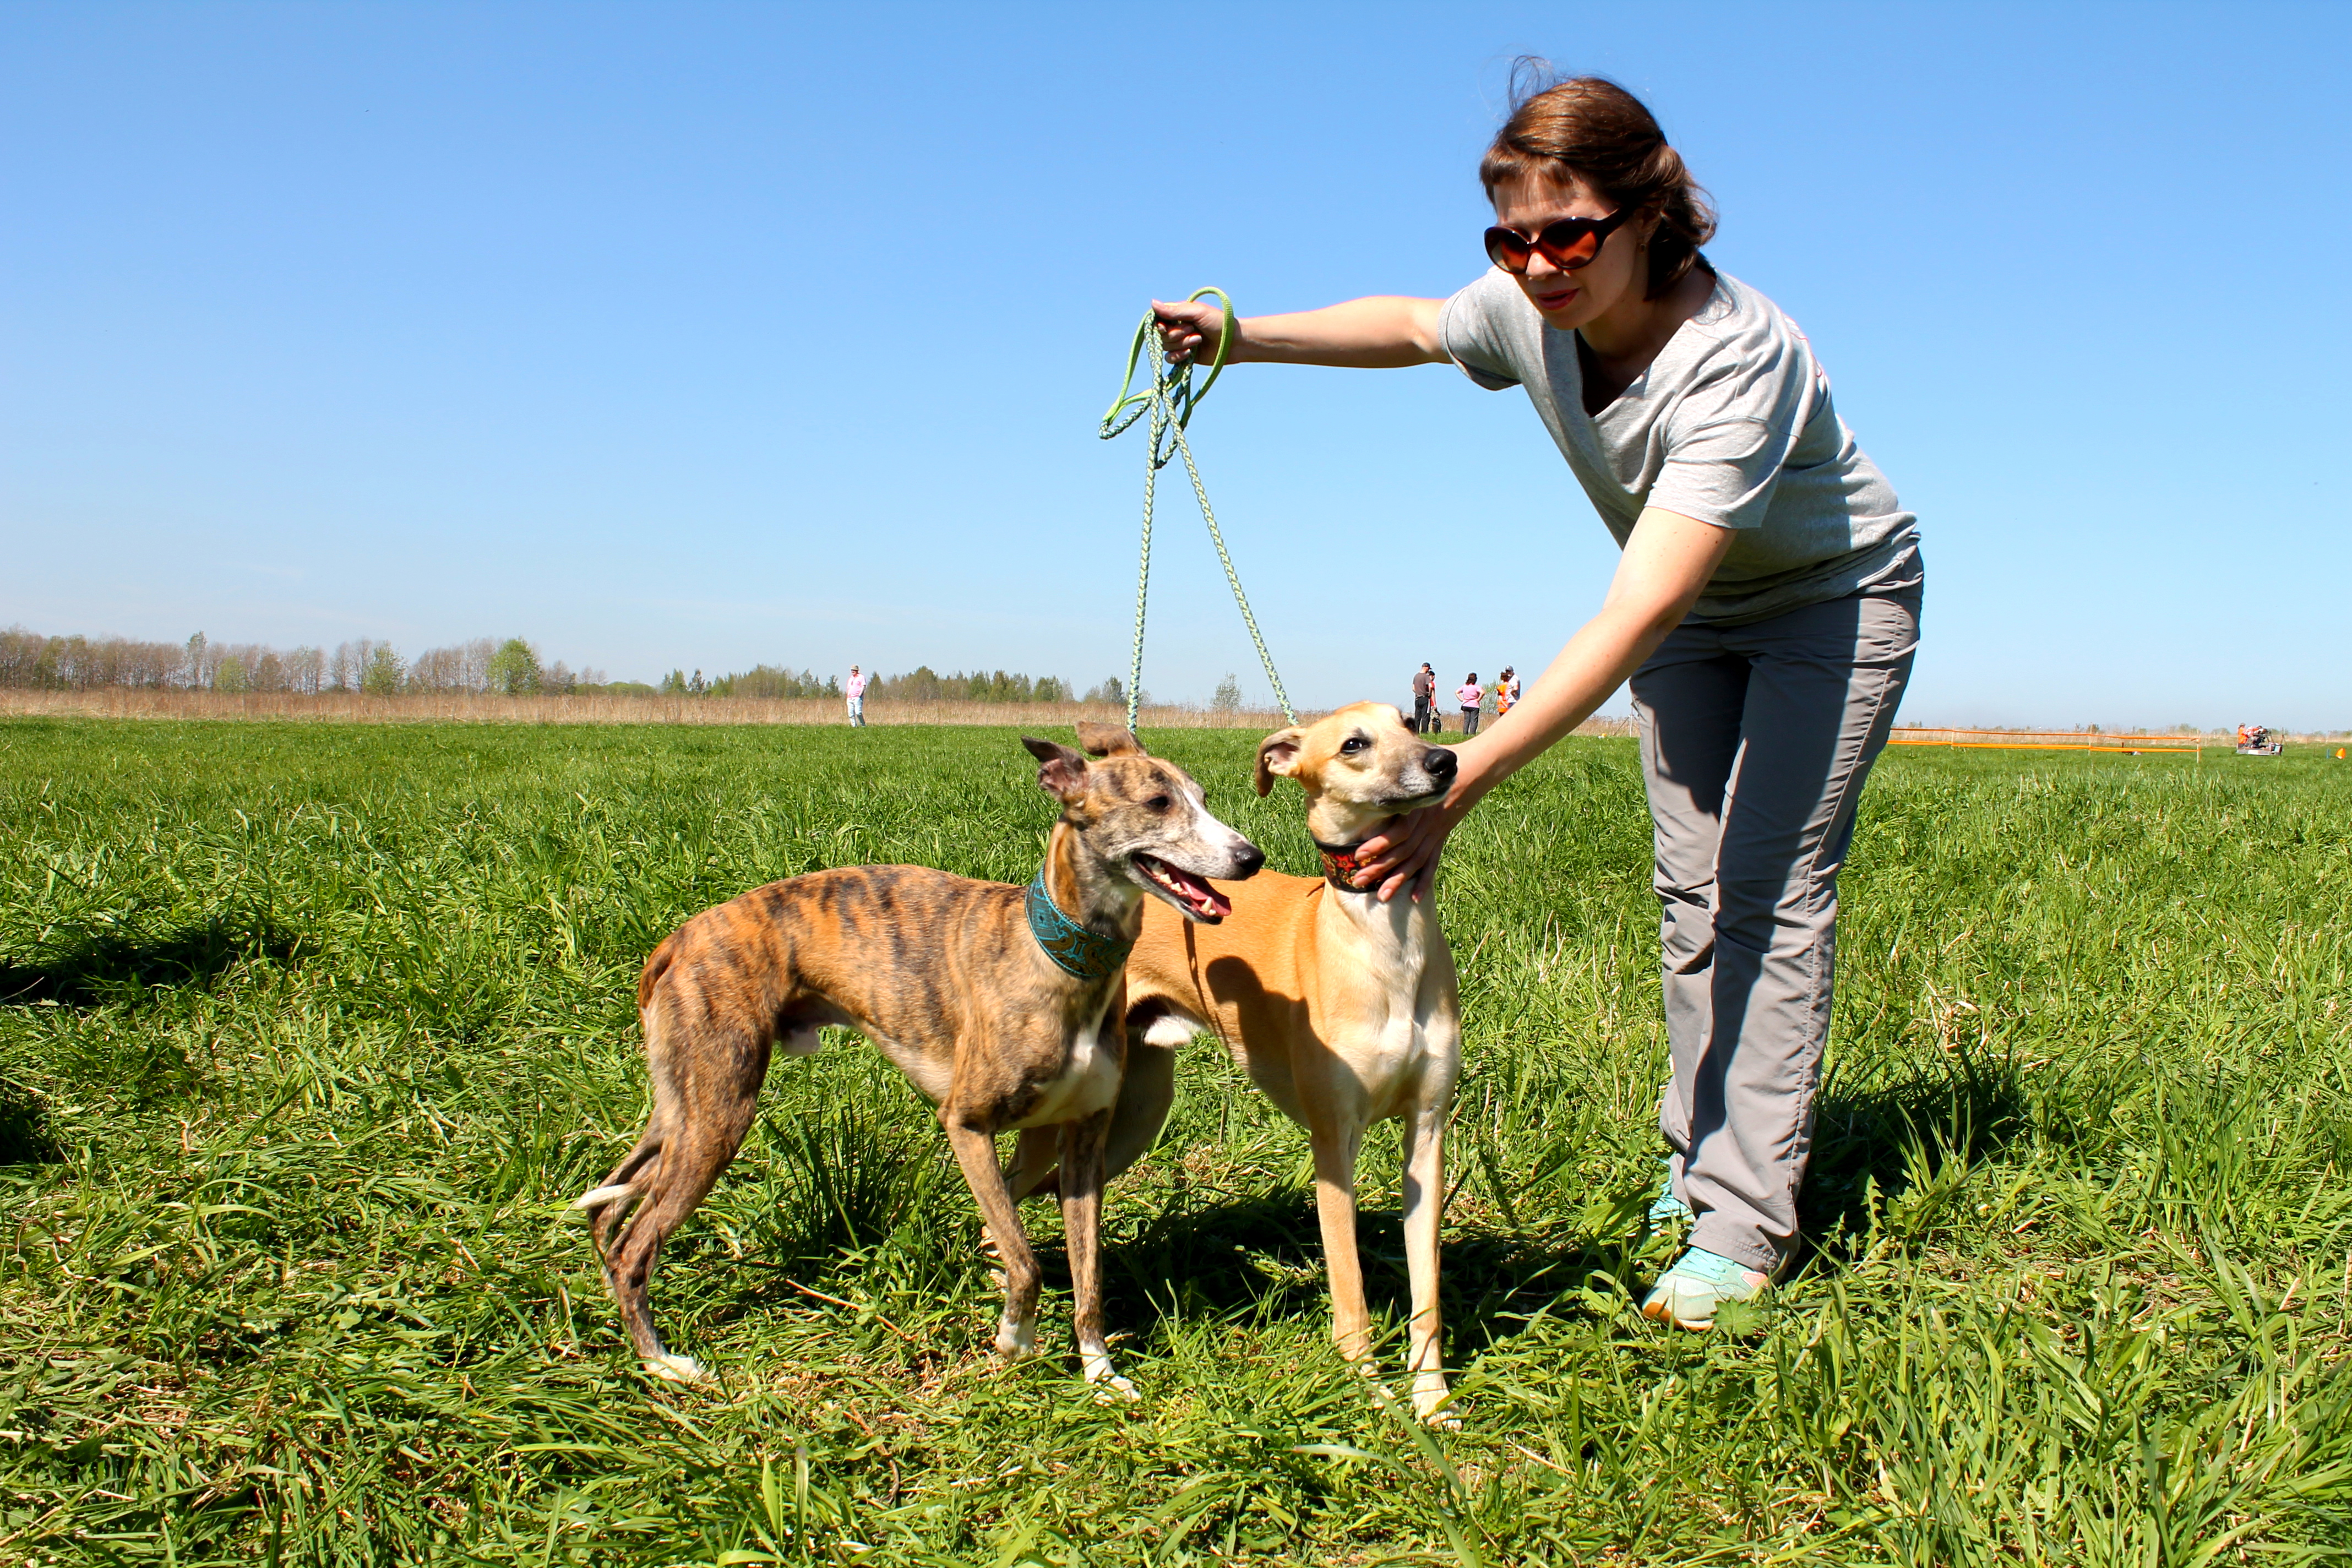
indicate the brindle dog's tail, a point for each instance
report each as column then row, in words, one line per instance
column 705, row 1059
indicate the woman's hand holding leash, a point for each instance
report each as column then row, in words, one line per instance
column 1189, row 331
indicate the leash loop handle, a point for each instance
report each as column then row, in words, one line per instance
column 1170, row 384
column 1169, row 397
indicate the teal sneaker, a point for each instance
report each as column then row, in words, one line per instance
column 1668, row 1209
column 1686, row 1295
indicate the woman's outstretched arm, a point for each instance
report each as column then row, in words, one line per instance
column 1665, row 566
column 1375, row 333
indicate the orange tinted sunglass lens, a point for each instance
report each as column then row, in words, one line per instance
column 1568, row 244
column 1575, row 252
column 1506, row 250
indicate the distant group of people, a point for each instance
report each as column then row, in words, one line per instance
column 1470, row 697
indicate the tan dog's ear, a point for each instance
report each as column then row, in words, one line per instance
column 1107, row 740
column 1062, row 773
column 1278, row 753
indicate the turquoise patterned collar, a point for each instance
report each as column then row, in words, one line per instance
column 1088, row 954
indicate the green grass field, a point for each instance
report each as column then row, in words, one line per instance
column 308, row 1035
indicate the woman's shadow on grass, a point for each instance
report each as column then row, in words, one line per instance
column 90, row 969
column 1261, row 1257
column 120, row 965
column 1875, row 1144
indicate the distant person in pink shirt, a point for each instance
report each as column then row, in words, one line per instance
column 1470, row 696
column 856, row 692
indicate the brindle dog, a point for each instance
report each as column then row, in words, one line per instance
column 1006, row 1014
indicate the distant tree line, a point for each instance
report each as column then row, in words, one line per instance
column 924, row 684
column 30, row 661
column 921, row 684
column 760, row 680
column 514, row 667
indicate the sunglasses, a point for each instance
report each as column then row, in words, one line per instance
column 1569, row 243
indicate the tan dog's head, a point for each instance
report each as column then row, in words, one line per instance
column 1360, row 766
column 1147, row 818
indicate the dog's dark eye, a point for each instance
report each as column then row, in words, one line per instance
column 1157, row 803
column 1352, row 744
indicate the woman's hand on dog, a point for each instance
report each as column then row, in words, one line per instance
column 1403, row 856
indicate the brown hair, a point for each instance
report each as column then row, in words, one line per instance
column 1590, row 126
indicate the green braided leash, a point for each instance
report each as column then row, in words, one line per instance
column 1169, row 397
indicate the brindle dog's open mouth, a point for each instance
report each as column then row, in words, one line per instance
column 1190, row 893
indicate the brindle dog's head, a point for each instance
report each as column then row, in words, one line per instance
column 1147, row 817
column 1360, row 766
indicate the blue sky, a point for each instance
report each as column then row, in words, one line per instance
column 706, row 335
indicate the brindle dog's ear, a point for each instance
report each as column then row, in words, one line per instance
column 1278, row 753
column 1109, row 741
column 1062, row 773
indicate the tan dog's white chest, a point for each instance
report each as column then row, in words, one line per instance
column 1380, row 983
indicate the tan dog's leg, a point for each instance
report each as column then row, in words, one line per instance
column 1335, row 1211
column 975, row 1151
column 1082, row 1185
column 1425, row 1201
column 1034, row 1151
column 1145, row 1094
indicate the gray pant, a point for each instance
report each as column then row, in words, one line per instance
column 1755, row 743
column 1469, row 720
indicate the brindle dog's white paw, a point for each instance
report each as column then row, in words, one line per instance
column 1016, row 1341
column 677, row 1368
column 1108, row 1386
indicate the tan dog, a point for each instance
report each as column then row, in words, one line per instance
column 1003, row 1005
column 1343, row 1009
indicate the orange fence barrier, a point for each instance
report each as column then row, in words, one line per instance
column 2048, row 740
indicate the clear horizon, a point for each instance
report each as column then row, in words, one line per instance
column 734, row 335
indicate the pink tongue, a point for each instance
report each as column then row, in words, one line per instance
column 1195, row 892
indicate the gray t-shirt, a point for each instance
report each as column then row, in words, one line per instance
column 1730, row 424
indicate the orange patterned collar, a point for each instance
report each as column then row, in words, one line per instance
column 1340, row 866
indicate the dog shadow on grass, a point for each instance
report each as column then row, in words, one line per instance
column 25, row 1135
column 854, row 1179
column 118, row 964
column 845, row 1183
